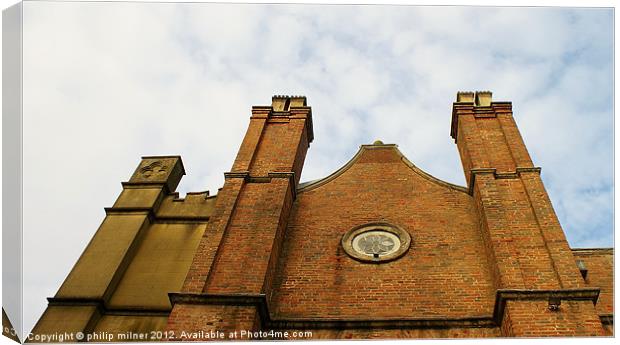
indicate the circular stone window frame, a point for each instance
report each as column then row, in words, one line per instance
column 349, row 236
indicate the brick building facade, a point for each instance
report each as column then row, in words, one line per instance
column 378, row 249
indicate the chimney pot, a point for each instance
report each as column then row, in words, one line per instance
column 483, row 98
column 465, row 96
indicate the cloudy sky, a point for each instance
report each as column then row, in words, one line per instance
column 106, row 83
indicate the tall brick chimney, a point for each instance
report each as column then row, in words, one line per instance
column 232, row 270
column 534, row 268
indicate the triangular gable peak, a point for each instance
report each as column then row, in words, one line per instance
column 370, row 154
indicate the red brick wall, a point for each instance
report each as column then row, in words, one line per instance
column 599, row 263
column 532, row 260
column 188, row 320
column 250, row 246
column 534, row 319
column 277, row 148
column 524, row 241
column 209, row 244
column 443, row 274
column 241, row 266
column 241, row 245
column 501, row 233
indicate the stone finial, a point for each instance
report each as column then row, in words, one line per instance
column 465, row 96
column 378, row 142
column 166, row 170
column 483, row 98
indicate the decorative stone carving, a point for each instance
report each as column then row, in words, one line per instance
column 376, row 242
column 154, row 170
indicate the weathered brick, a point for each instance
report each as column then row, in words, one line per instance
column 471, row 246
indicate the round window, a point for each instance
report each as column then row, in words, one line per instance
column 376, row 242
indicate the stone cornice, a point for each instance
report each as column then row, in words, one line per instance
column 469, row 108
column 100, row 305
column 237, row 174
column 592, row 251
column 180, row 219
column 143, row 184
column 256, row 300
column 502, row 296
column 123, row 210
column 153, row 217
column 245, row 175
column 260, row 302
column 261, row 111
column 241, row 299
column 498, row 175
column 459, row 108
column 385, row 323
column 81, row 301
